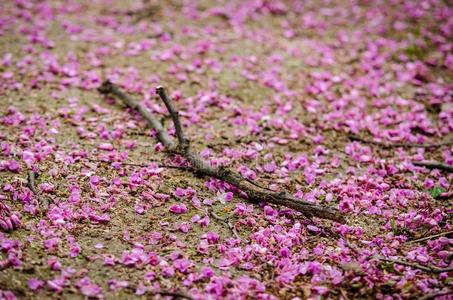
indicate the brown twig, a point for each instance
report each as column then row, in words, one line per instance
column 354, row 137
column 216, row 216
column 258, row 185
column 429, row 269
column 433, row 165
column 225, row 220
column 174, row 116
column 201, row 167
column 430, row 237
column 31, row 178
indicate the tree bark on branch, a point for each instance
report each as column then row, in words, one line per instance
column 182, row 147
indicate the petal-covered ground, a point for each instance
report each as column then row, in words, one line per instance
column 333, row 102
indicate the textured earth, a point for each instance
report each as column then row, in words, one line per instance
column 334, row 102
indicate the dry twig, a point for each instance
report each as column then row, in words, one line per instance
column 183, row 148
column 225, row 220
column 429, row 269
column 430, row 237
column 433, row 165
column 354, row 137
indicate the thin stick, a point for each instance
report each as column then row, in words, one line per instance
column 225, row 220
column 216, row 216
column 433, row 165
column 430, row 237
column 233, row 229
column 258, row 185
column 201, row 167
column 397, row 145
column 429, row 269
column 174, row 115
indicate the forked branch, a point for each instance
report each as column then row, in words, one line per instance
column 253, row 191
column 108, row 88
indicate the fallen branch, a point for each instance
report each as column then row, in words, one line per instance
column 108, row 88
column 433, row 165
column 429, row 269
column 354, row 137
column 253, row 192
column 430, row 237
column 42, row 201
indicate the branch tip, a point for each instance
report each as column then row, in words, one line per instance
column 160, row 90
column 106, row 87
